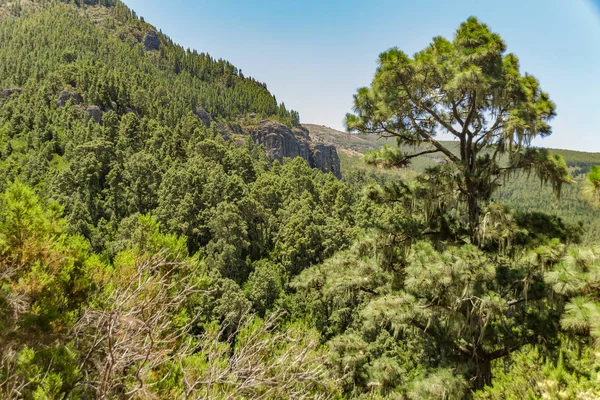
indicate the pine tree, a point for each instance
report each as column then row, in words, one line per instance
column 470, row 89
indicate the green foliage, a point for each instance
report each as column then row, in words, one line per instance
column 44, row 270
column 578, row 276
column 448, row 309
column 151, row 253
column 45, row 274
column 74, row 326
column 442, row 384
column 468, row 88
column 531, row 375
column 264, row 286
column 591, row 186
column 522, row 192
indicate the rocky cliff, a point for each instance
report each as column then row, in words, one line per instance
column 281, row 141
column 151, row 41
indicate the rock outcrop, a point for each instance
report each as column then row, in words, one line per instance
column 203, row 115
column 151, row 41
column 65, row 96
column 95, row 112
column 6, row 93
column 326, row 158
column 281, row 141
column 129, row 110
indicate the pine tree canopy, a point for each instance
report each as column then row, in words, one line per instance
column 472, row 90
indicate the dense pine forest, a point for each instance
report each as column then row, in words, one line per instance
column 150, row 249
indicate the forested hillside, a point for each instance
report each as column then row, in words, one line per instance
column 96, row 50
column 119, row 186
column 150, row 249
column 145, row 101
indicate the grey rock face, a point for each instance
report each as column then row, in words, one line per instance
column 65, row 96
column 151, row 41
column 6, row 93
column 325, row 158
column 281, row 141
column 130, row 111
column 203, row 115
column 95, row 112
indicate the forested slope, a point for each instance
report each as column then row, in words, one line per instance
column 137, row 193
column 72, row 73
column 99, row 52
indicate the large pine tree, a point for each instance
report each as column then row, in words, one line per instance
column 468, row 88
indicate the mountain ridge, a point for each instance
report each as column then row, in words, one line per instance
column 350, row 143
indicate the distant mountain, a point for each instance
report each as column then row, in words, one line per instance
column 351, row 145
column 356, row 145
column 351, row 148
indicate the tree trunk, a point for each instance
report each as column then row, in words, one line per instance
column 473, row 204
column 483, row 373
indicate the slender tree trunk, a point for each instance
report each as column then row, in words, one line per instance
column 474, row 211
column 469, row 160
column 483, row 372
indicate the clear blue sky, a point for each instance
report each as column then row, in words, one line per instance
column 314, row 54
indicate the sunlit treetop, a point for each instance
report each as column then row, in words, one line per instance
column 471, row 89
